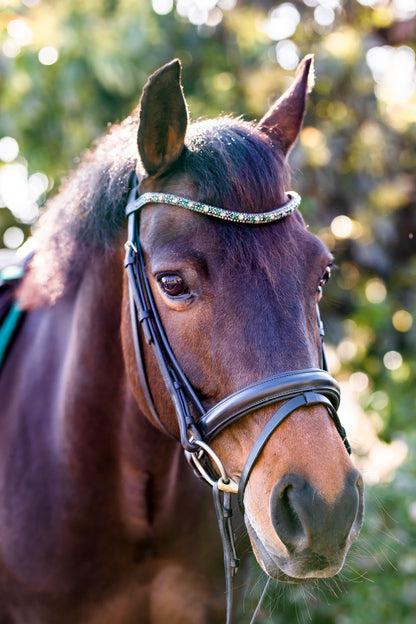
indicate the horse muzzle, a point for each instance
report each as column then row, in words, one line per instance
column 300, row 535
column 308, row 537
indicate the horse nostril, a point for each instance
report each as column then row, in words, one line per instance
column 302, row 518
column 357, row 490
column 359, row 483
column 285, row 517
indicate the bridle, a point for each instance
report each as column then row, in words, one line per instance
column 197, row 426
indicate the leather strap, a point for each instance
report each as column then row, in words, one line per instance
column 266, row 392
column 224, row 512
column 307, row 398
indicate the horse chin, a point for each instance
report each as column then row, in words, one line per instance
column 297, row 569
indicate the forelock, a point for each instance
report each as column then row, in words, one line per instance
column 235, row 166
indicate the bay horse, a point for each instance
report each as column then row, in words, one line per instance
column 199, row 334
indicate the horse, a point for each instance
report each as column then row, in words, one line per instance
column 191, row 350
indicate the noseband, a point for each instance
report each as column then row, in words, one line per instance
column 197, row 426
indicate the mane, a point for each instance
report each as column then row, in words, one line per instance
column 232, row 163
column 86, row 216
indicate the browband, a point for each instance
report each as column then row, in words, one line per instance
column 220, row 213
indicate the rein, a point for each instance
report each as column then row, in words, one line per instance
column 197, row 426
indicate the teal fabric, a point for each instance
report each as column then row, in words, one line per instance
column 11, row 320
column 8, row 329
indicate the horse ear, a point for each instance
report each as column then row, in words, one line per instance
column 283, row 121
column 163, row 119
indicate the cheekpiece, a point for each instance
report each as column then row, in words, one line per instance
column 251, row 218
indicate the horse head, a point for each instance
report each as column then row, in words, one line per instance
column 237, row 302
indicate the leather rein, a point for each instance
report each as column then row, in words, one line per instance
column 197, row 426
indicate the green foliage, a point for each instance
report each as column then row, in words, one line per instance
column 355, row 160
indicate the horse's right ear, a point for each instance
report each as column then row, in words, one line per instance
column 283, row 121
column 163, row 119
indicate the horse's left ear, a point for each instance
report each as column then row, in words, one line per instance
column 283, row 121
column 163, row 119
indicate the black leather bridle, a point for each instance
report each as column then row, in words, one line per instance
column 197, row 426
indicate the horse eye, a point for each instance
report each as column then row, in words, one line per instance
column 326, row 276
column 173, row 285
column 324, row 279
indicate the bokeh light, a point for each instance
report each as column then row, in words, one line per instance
column 287, row 54
column 359, row 381
column 13, row 237
column 21, row 193
column 392, row 360
column 224, row 81
column 48, row 55
column 198, row 12
column 316, row 147
column 347, row 349
column 324, row 15
column 282, row 21
column 19, row 30
column 9, row 149
column 11, row 48
column 375, row 290
column 341, row 226
column 379, row 400
column 162, row 7
column 405, row 9
column 394, row 71
column 402, row 320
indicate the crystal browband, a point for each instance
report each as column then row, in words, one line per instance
column 228, row 215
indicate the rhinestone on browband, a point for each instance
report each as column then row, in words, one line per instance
column 228, row 215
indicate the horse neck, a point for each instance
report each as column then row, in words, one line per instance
column 104, row 426
column 92, row 379
column 151, row 464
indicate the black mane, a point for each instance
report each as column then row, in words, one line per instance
column 89, row 205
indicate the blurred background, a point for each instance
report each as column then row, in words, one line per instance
column 67, row 69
